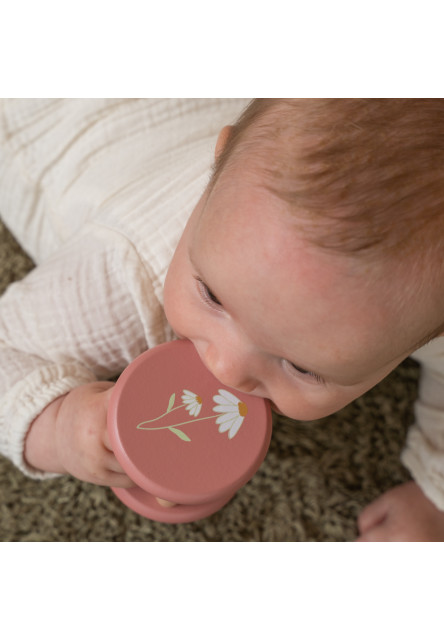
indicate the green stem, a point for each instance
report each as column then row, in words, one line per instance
column 179, row 424
column 159, row 417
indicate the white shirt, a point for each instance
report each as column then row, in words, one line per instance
column 98, row 193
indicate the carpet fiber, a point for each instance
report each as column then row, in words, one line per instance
column 311, row 487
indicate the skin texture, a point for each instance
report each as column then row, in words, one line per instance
column 70, row 436
column 270, row 315
column 403, row 514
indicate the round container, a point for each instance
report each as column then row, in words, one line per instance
column 182, row 436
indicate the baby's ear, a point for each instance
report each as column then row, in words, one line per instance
column 222, row 140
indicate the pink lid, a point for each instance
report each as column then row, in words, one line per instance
column 183, row 436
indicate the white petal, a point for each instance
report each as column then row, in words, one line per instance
column 226, row 408
column 196, row 409
column 221, row 400
column 226, row 395
column 226, row 426
column 236, row 426
column 226, row 417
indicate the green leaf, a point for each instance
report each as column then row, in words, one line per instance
column 180, row 434
column 171, row 402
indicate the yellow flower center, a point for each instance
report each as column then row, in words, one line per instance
column 198, row 400
column 242, row 408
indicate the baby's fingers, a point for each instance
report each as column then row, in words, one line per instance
column 373, row 515
column 106, row 440
column 119, row 480
column 114, row 475
column 379, row 533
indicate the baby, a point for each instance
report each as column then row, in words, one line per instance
column 310, row 267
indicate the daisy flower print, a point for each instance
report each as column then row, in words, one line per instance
column 192, row 402
column 232, row 411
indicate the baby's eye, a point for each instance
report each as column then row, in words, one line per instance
column 211, row 296
column 304, row 372
column 207, row 294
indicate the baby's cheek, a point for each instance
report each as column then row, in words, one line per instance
column 170, row 307
column 312, row 404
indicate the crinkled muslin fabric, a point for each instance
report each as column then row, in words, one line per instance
column 97, row 192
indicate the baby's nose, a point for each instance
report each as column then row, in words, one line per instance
column 231, row 368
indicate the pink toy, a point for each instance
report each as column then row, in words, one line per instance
column 182, row 436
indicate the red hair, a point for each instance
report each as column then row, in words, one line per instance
column 364, row 175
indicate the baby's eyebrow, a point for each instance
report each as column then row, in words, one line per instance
column 196, row 267
column 192, row 260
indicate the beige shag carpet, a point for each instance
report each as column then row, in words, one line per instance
column 311, row 487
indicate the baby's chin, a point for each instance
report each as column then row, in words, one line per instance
column 276, row 410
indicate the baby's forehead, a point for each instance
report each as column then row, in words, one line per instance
column 239, row 207
column 278, row 298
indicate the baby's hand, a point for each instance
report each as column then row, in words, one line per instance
column 403, row 514
column 70, row 436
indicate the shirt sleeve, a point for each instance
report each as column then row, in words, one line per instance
column 424, row 451
column 83, row 315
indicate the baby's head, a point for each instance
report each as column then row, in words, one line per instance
column 312, row 264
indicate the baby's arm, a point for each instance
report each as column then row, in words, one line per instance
column 70, row 324
column 70, row 436
column 403, row 514
column 415, row 510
